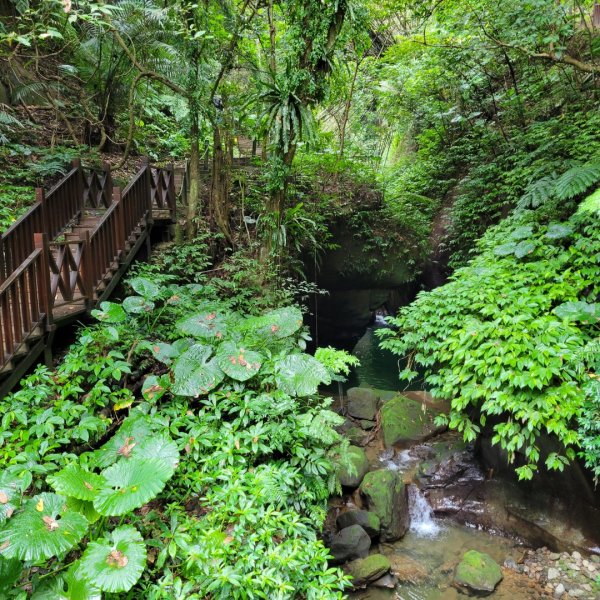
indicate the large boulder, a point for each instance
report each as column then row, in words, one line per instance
column 406, row 421
column 367, row 520
column 386, row 496
column 350, row 543
column 477, row 574
column 352, row 467
column 369, row 569
column 362, row 403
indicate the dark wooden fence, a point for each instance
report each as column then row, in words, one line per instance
column 41, row 271
column 53, row 212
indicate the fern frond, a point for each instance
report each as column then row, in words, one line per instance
column 538, row 192
column 577, row 180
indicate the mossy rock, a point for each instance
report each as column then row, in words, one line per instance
column 362, row 403
column 369, row 521
column 366, row 570
column 477, row 574
column 356, row 436
column 406, row 421
column 353, row 467
column 350, row 543
column 386, row 496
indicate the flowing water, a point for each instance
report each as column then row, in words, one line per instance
column 428, row 553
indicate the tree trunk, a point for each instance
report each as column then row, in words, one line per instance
column 276, row 203
column 347, row 109
column 194, row 177
column 219, row 189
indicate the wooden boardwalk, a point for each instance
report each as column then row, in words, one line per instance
column 69, row 251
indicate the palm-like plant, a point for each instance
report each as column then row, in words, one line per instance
column 286, row 117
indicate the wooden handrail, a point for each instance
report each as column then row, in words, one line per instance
column 39, row 276
column 23, row 307
column 53, row 212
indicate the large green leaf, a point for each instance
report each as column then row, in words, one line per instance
column 195, row 375
column 144, row 287
column 132, row 431
column 237, row 362
column 579, row 311
column 159, row 447
column 114, row 564
column 131, row 484
column 205, row 325
column 165, row 352
column 45, row 528
column 280, row 323
column 524, row 248
column 521, row 233
column 10, row 495
column 558, row 230
column 10, row 570
column 300, row 375
column 505, row 249
column 85, row 507
column 77, row 482
column 137, row 305
column 72, row 586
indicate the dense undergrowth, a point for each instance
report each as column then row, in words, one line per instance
column 512, row 340
column 180, row 450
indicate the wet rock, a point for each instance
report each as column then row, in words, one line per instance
column 367, row 520
column 356, row 436
column 362, row 403
column 477, row 574
column 353, row 467
column 387, row 581
column 404, row 421
column 367, row 570
column 386, row 496
column 408, row 570
column 367, row 425
column 350, row 543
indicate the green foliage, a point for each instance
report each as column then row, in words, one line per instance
column 115, row 563
column 503, row 341
column 250, row 458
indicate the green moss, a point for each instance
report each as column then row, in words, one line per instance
column 368, row 569
column 405, row 420
column 478, row 573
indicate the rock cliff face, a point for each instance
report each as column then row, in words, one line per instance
column 360, row 278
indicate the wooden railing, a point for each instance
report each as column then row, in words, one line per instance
column 24, row 307
column 53, row 212
column 40, row 275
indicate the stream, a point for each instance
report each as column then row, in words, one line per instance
column 427, row 555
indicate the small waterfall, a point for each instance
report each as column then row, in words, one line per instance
column 422, row 522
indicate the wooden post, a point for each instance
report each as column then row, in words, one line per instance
column 41, row 198
column 121, row 234
column 149, row 187
column 108, row 183
column 41, row 241
column 3, row 273
column 171, row 197
column 87, row 273
column 76, row 164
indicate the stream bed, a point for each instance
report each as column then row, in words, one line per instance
column 454, row 509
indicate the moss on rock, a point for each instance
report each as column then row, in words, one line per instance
column 477, row 574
